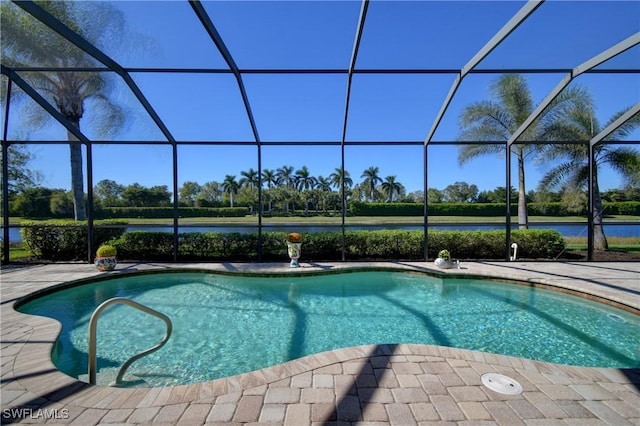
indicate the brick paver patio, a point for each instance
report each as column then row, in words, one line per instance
column 367, row 385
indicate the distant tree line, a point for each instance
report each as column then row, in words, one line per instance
column 281, row 196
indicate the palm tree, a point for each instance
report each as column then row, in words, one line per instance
column 27, row 44
column 304, row 180
column 371, row 178
column 337, row 178
column 249, row 178
column 493, row 121
column 286, row 178
column 573, row 173
column 270, row 177
column 230, row 186
column 285, row 175
column 390, row 186
column 323, row 184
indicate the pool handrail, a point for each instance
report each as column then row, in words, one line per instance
column 93, row 324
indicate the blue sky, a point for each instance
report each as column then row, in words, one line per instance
column 310, row 107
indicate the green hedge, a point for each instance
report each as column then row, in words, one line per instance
column 144, row 245
column 60, row 240
column 631, row 208
column 64, row 240
column 167, row 212
column 359, row 245
column 483, row 209
column 532, row 243
column 386, row 209
column 470, row 209
column 435, row 209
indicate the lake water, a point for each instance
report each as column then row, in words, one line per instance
column 567, row 230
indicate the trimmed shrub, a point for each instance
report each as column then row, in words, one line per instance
column 167, row 212
column 359, row 245
column 192, row 246
column 357, row 208
column 631, row 208
column 144, row 245
column 106, row 250
column 58, row 240
column 434, row 209
column 549, row 209
column 538, row 243
column 385, row 244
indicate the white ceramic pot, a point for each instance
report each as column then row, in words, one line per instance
column 106, row 263
column 444, row 264
column 294, row 250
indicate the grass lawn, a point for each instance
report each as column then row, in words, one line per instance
column 21, row 252
column 626, row 244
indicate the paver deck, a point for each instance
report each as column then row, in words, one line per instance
column 367, row 385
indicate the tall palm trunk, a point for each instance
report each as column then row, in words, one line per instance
column 71, row 106
column 522, row 194
column 599, row 239
column 77, row 178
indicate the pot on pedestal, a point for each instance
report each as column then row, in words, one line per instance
column 294, row 250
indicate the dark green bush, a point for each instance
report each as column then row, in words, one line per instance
column 434, row 209
column 532, row 243
column 548, row 209
column 385, row 244
column 538, row 243
column 64, row 240
column 359, row 245
column 386, row 209
column 192, row 246
column 484, row 209
column 470, row 209
column 167, row 212
column 631, row 208
column 240, row 246
column 144, row 245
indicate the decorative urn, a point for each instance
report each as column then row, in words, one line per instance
column 294, row 248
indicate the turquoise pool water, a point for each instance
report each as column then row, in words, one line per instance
column 229, row 324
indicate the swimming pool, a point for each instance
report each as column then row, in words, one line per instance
column 230, row 324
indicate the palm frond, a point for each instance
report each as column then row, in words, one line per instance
column 626, row 128
column 580, row 178
column 485, row 121
column 482, row 133
column 623, row 159
column 514, row 96
column 572, row 100
column 558, row 175
column 467, row 153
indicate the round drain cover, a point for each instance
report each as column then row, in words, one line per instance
column 501, row 384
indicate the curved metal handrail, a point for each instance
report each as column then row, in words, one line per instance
column 93, row 324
